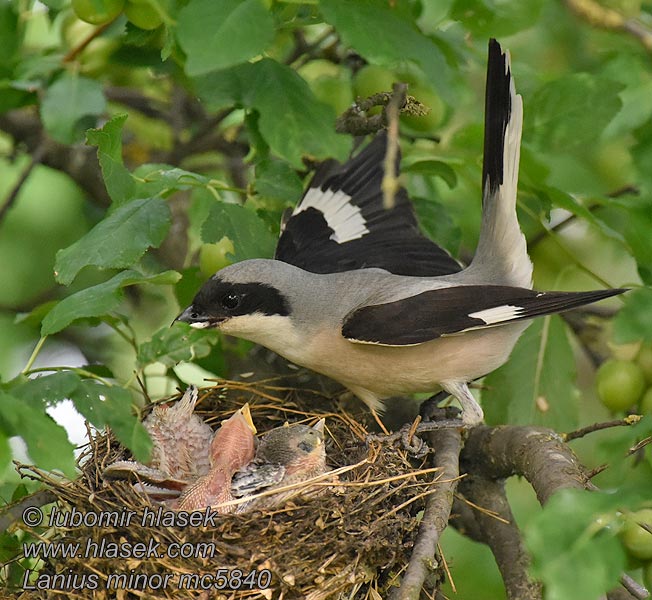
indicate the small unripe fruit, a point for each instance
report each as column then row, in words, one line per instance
column 142, row 15
column 372, row 79
column 636, row 539
column 620, row 384
column 213, row 257
column 97, row 12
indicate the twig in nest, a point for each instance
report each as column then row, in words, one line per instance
column 447, row 444
column 579, row 433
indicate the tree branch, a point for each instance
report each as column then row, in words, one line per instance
column 536, row 453
column 447, row 445
column 36, row 158
column 497, row 528
column 79, row 162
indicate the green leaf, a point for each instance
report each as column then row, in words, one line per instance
column 5, row 453
column 436, row 221
column 537, row 385
column 634, row 320
column 247, row 231
column 99, row 300
column 572, row 111
column 108, row 139
column 276, row 179
column 163, row 180
column 117, row 241
column 10, row 33
column 632, row 216
column 496, row 18
column 303, row 126
column 242, row 29
column 553, row 196
column 101, row 405
column 172, row 345
column 47, row 442
column 48, row 389
column 112, row 405
column 573, row 554
column 384, row 34
column 68, row 103
column 433, row 168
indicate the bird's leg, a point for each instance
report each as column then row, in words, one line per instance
column 472, row 414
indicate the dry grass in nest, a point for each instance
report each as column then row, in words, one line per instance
column 351, row 540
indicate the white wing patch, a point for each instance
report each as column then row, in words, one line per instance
column 344, row 218
column 498, row 314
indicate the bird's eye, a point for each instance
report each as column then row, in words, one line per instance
column 231, row 301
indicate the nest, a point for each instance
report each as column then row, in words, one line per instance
column 352, row 539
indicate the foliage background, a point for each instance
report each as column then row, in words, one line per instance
column 202, row 127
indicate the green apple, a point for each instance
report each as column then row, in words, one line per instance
column 372, row 79
column 317, row 68
column 620, row 384
column 142, row 14
column 637, row 540
column 335, row 91
column 213, row 257
column 98, row 12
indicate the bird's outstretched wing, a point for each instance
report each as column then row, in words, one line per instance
column 341, row 224
column 453, row 310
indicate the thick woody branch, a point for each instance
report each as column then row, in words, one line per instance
column 495, row 526
column 536, row 453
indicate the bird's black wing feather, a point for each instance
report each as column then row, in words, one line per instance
column 341, row 224
column 453, row 310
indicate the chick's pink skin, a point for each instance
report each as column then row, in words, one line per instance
column 232, row 448
column 181, row 438
column 180, row 451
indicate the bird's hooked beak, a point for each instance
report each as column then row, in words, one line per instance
column 197, row 319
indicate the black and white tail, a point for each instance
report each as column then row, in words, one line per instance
column 501, row 256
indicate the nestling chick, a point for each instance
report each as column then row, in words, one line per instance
column 232, row 448
column 285, row 456
column 180, row 452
